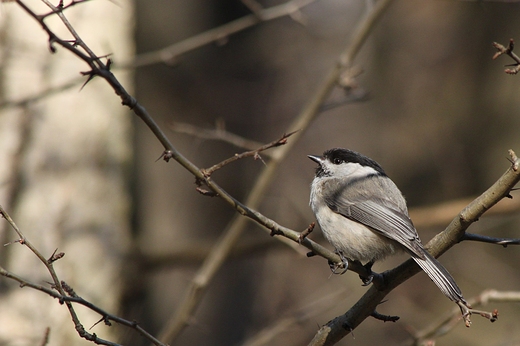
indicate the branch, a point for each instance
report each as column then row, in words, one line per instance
column 255, row 153
column 335, row 330
column 219, row 133
column 442, row 213
column 508, row 51
column 453, row 317
column 40, row 95
column 57, row 284
column 491, row 240
column 229, row 238
column 319, row 303
column 73, row 298
column 169, row 54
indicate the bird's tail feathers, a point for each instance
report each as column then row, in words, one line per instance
column 440, row 276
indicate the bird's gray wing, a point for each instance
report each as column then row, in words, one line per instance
column 382, row 215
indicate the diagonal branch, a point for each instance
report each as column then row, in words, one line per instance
column 169, row 54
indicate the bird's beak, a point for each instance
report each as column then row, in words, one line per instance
column 317, row 159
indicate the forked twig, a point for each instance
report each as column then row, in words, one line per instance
column 452, row 318
column 508, row 51
column 254, row 153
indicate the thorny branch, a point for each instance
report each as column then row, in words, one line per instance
column 71, row 297
column 58, row 290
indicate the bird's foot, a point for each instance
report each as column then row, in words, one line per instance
column 367, row 279
column 335, row 267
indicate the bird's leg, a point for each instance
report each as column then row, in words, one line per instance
column 367, row 280
column 343, row 265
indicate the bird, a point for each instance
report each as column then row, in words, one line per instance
column 364, row 216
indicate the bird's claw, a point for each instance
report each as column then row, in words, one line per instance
column 343, row 265
column 367, row 280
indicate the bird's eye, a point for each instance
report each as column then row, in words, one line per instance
column 337, row 161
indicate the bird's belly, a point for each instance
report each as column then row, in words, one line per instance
column 354, row 240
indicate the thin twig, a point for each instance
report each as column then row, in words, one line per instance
column 56, row 282
column 508, row 51
column 70, row 297
column 255, row 153
column 450, row 321
column 168, row 55
column 41, row 95
column 318, row 304
column 384, row 318
column 45, row 340
column 491, row 240
column 219, row 133
column 306, row 232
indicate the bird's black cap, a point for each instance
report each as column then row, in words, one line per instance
column 340, row 155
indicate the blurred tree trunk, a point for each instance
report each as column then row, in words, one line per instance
column 64, row 172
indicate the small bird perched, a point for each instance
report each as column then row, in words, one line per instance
column 364, row 216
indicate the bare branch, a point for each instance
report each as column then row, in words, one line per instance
column 319, row 303
column 65, row 294
column 56, row 283
column 306, row 232
column 170, row 54
column 509, row 51
column 45, row 340
column 255, row 153
column 219, row 133
column 492, row 240
column 41, row 95
column 452, row 318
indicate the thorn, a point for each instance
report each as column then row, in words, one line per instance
column 91, row 74
column 21, row 241
column 205, row 192
column 166, row 155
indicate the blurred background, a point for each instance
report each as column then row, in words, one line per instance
column 433, row 109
